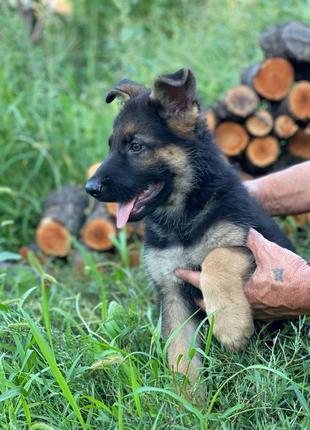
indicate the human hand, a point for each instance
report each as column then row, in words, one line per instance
column 280, row 285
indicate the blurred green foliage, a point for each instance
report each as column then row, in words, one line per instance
column 54, row 121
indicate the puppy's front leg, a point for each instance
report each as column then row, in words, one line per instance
column 222, row 282
column 176, row 321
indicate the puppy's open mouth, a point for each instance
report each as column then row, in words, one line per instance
column 137, row 204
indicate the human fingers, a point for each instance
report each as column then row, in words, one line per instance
column 189, row 276
column 259, row 245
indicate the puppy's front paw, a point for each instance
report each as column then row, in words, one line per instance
column 233, row 330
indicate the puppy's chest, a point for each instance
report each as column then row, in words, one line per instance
column 160, row 264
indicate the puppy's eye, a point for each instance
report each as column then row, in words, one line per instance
column 135, row 147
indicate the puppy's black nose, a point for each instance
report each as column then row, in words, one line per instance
column 93, row 187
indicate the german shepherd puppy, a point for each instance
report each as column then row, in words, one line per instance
column 164, row 166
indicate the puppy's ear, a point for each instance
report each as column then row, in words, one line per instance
column 176, row 96
column 176, row 92
column 124, row 89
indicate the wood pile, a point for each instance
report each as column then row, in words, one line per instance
column 69, row 212
column 264, row 123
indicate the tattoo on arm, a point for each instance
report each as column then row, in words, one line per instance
column 278, row 274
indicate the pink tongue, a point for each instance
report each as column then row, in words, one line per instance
column 123, row 212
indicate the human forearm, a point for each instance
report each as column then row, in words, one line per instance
column 285, row 192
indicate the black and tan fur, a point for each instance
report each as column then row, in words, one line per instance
column 200, row 217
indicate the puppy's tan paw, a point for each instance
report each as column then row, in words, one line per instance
column 233, row 332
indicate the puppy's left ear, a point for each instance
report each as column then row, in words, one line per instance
column 176, row 95
column 125, row 89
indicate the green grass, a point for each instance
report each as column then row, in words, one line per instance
column 86, row 351
column 99, row 372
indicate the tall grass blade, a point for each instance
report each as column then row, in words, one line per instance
column 50, row 358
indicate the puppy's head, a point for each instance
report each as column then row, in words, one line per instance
column 148, row 164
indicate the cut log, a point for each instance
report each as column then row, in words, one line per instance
column 272, row 79
column 297, row 103
column 285, row 126
column 53, row 238
column 232, row 138
column 210, row 118
column 111, row 208
column 64, row 213
column 299, row 100
column 260, row 123
column 290, row 40
column 92, row 169
column 98, row 229
column 299, row 144
column 262, row 152
column 241, row 101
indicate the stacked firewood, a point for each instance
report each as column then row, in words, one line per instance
column 266, row 118
column 262, row 124
column 69, row 212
